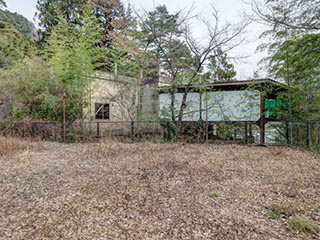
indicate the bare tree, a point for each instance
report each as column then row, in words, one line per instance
column 225, row 37
column 180, row 55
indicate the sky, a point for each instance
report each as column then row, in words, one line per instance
column 228, row 10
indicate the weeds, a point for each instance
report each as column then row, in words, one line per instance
column 213, row 194
column 302, row 224
column 272, row 215
column 279, row 210
column 10, row 145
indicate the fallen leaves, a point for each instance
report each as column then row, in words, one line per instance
column 156, row 191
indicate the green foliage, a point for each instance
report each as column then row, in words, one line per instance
column 163, row 34
column 294, row 53
column 159, row 23
column 17, row 21
column 50, row 13
column 298, row 58
column 15, row 37
column 110, row 16
column 283, row 15
column 221, row 70
column 213, row 194
column 37, row 86
column 303, row 225
column 32, row 90
column 13, row 45
column 2, row 3
column 128, row 55
column 112, row 19
column 272, row 215
column 71, row 55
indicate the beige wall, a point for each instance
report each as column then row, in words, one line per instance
column 119, row 92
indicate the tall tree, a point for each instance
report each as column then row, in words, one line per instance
column 163, row 32
column 300, row 56
column 37, row 86
column 110, row 14
column 179, row 52
column 49, row 12
column 173, row 59
column 71, row 55
column 221, row 70
column 112, row 18
column 288, row 29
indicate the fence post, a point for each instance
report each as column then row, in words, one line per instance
column 246, row 132
column 64, row 103
column 308, row 135
column 168, row 131
column 132, row 130
column 33, row 129
column 98, row 130
column 287, row 132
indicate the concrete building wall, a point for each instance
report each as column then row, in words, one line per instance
column 120, row 93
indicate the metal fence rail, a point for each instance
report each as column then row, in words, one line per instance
column 304, row 134
column 299, row 134
column 133, row 131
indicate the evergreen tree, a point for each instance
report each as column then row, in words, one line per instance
column 49, row 13
column 112, row 18
column 17, row 21
column 299, row 56
column 109, row 13
column 15, row 38
column 289, row 14
column 37, row 86
column 220, row 69
column 293, row 50
column 163, row 34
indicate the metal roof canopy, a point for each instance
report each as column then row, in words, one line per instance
column 271, row 87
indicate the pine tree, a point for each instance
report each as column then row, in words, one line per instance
column 221, row 70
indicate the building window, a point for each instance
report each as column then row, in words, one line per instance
column 102, row 110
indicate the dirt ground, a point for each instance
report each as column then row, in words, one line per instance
column 157, row 191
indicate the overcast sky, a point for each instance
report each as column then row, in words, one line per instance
column 229, row 10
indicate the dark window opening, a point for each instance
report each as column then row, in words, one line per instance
column 102, row 110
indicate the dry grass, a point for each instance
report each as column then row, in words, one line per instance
column 157, row 191
column 12, row 145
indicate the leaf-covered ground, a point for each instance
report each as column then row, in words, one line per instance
column 157, row 191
